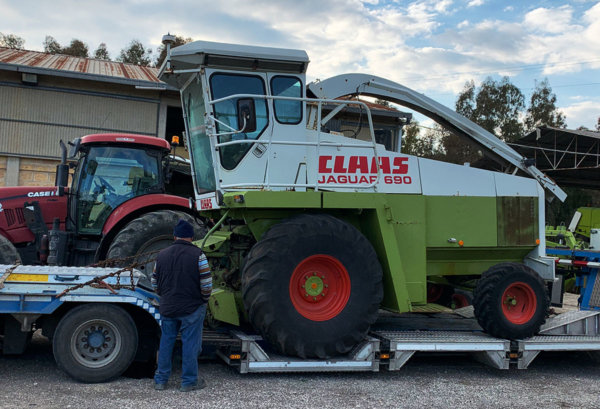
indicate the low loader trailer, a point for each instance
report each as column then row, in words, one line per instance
column 97, row 330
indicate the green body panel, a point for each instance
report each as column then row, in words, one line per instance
column 470, row 219
column 590, row 219
column 410, row 234
column 223, row 306
column 518, row 221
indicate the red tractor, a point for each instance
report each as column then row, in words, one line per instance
column 127, row 194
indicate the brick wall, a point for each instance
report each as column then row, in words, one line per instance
column 37, row 172
column 2, row 171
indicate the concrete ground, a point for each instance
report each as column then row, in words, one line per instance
column 558, row 380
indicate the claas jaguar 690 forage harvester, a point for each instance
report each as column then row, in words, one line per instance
column 315, row 231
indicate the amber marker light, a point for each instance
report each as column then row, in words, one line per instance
column 235, row 356
column 537, row 241
column 461, row 243
column 384, row 356
column 175, row 140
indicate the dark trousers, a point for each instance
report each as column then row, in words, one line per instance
column 191, row 338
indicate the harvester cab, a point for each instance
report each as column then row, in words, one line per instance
column 316, row 229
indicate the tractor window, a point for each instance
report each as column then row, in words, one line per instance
column 224, row 85
column 109, row 177
column 287, row 112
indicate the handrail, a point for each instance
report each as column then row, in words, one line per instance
column 271, row 142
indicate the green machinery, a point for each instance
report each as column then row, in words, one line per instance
column 314, row 231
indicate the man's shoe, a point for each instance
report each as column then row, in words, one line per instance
column 188, row 388
column 160, row 386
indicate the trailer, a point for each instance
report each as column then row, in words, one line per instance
column 389, row 345
column 98, row 330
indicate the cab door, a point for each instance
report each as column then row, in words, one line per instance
column 241, row 165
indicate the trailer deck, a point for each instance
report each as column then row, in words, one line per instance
column 395, row 339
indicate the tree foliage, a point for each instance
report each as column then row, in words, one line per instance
column 162, row 50
column 136, row 53
column 383, row 103
column 424, row 146
column 77, row 48
column 11, row 41
column 598, row 125
column 101, row 52
column 542, row 109
column 496, row 106
column 51, row 45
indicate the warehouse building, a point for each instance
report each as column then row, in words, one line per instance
column 48, row 97
column 45, row 98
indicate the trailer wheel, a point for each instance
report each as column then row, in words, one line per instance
column 150, row 232
column 8, row 253
column 95, row 342
column 511, row 301
column 312, row 286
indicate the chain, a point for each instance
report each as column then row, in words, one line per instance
column 98, row 282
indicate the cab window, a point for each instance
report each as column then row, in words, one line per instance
column 224, row 85
column 109, row 177
column 287, row 112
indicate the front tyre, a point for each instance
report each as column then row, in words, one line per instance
column 8, row 252
column 312, row 286
column 148, row 233
column 511, row 301
column 95, row 342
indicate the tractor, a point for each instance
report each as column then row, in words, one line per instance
column 127, row 193
column 316, row 231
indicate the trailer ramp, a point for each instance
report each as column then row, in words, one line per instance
column 395, row 340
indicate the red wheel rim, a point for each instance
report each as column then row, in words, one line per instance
column 519, row 303
column 459, row 301
column 320, row 287
column 434, row 292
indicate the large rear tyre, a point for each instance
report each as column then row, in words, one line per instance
column 312, row 286
column 148, row 233
column 8, row 252
column 511, row 301
column 95, row 342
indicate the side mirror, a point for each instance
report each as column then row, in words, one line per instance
column 246, row 115
column 91, row 167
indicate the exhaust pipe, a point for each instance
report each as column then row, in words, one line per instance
column 62, row 171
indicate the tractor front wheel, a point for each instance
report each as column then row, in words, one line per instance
column 8, row 252
column 511, row 301
column 148, row 233
column 312, row 286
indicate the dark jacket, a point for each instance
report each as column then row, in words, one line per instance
column 177, row 279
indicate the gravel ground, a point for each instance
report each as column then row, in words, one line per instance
column 560, row 380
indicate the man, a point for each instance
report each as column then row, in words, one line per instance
column 182, row 279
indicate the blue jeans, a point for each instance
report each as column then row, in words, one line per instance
column 191, row 338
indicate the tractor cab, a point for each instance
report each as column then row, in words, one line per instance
column 112, row 169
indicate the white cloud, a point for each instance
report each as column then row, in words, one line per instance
column 554, row 20
column 509, row 8
column 584, row 113
column 475, row 3
column 339, row 35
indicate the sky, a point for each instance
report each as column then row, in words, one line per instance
column 430, row 46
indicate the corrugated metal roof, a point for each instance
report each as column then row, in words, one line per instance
column 90, row 66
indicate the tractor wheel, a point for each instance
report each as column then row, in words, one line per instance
column 312, row 286
column 148, row 233
column 95, row 342
column 8, row 253
column 511, row 301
